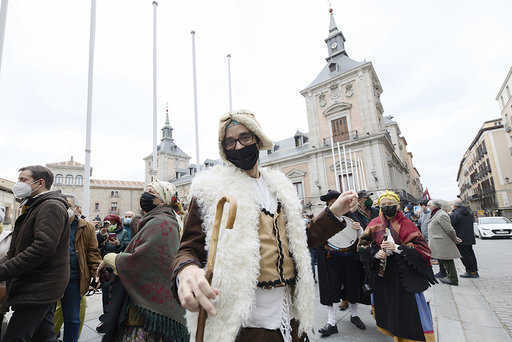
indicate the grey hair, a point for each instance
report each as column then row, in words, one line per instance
column 437, row 203
column 458, row 203
column 75, row 200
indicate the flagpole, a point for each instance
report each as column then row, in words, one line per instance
column 363, row 172
column 154, row 168
column 334, row 165
column 342, row 170
column 228, row 57
column 358, row 171
column 3, row 20
column 87, row 184
column 194, row 74
column 352, row 169
column 346, row 167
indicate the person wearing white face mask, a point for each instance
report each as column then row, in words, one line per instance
column 37, row 265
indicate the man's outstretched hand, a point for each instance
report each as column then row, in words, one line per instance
column 345, row 203
column 194, row 290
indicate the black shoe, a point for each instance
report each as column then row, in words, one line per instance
column 101, row 328
column 357, row 322
column 470, row 275
column 447, row 282
column 440, row 275
column 328, row 330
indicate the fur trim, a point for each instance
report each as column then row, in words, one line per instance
column 238, row 252
column 248, row 119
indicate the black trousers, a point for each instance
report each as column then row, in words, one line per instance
column 468, row 258
column 31, row 323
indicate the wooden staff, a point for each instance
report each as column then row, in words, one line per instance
column 201, row 321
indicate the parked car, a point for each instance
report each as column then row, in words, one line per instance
column 495, row 226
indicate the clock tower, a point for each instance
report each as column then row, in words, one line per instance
column 335, row 45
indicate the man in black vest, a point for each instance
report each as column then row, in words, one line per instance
column 340, row 275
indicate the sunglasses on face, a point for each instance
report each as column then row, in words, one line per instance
column 245, row 139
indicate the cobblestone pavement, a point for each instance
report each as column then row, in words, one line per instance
column 347, row 331
column 457, row 310
column 495, row 283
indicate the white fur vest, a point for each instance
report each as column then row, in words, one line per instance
column 238, row 252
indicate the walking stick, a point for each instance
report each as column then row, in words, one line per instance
column 201, row 321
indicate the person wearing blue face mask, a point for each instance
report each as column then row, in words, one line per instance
column 126, row 235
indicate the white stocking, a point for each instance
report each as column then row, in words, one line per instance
column 353, row 309
column 331, row 315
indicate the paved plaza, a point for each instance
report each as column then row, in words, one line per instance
column 476, row 310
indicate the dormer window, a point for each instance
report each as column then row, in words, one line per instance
column 333, row 67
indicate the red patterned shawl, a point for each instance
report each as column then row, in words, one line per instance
column 404, row 232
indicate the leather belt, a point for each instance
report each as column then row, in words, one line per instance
column 341, row 250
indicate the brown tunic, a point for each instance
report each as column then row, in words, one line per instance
column 192, row 247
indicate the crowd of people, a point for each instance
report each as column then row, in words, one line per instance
column 150, row 268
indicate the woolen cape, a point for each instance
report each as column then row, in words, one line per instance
column 238, row 252
column 144, row 270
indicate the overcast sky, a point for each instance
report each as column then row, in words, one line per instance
column 440, row 63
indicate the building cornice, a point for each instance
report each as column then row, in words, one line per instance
column 504, row 83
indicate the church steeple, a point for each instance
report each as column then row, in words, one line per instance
column 335, row 41
column 167, row 129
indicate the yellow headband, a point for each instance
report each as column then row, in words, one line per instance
column 389, row 195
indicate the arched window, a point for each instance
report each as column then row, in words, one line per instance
column 59, row 179
column 79, row 180
column 69, row 180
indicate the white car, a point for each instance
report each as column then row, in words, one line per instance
column 496, row 226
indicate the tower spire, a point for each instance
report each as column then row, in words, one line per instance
column 167, row 123
column 167, row 129
column 332, row 24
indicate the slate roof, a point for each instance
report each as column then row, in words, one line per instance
column 284, row 148
column 345, row 64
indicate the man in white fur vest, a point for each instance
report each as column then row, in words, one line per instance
column 262, row 288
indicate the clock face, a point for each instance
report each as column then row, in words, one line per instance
column 334, row 45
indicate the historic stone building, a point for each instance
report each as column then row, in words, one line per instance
column 8, row 202
column 173, row 165
column 504, row 99
column 107, row 196
column 343, row 107
column 172, row 162
column 484, row 176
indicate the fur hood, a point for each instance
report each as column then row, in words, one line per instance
column 238, row 252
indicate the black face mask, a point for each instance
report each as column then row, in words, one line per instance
column 146, row 201
column 244, row 158
column 389, row 210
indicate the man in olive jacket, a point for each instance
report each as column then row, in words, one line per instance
column 37, row 266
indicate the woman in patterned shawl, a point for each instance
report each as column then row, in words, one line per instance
column 151, row 312
column 397, row 260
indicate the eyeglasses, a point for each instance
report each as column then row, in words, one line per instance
column 245, row 139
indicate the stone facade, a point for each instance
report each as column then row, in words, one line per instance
column 172, row 162
column 107, row 196
column 8, row 202
column 484, row 177
column 343, row 107
column 504, row 99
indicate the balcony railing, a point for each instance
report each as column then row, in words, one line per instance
column 346, row 136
